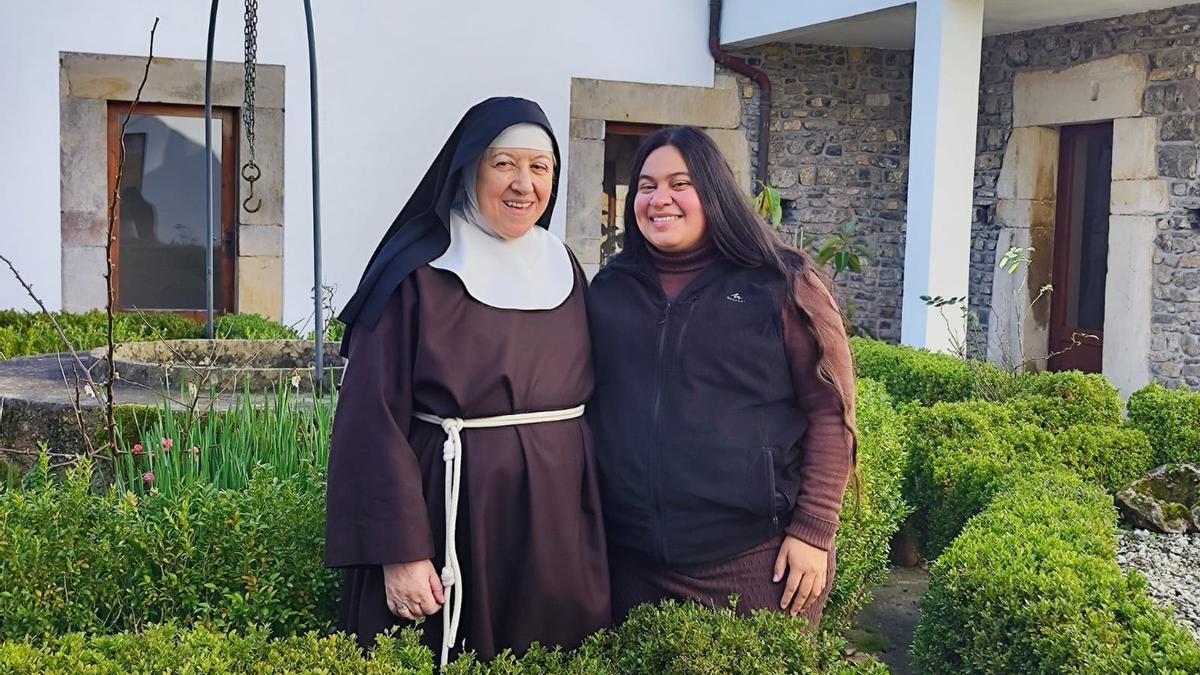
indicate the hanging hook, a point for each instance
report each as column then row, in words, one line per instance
column 251, row 173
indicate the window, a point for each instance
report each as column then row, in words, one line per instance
column 159, row 257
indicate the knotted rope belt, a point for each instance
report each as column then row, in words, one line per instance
column 452, row 580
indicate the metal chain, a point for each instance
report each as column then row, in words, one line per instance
column 251, row 58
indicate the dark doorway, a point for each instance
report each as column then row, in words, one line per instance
column 1081, row 248
column 621, row 140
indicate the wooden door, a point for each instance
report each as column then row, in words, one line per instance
column 1081, row 248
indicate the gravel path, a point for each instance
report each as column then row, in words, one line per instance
column 1171, row 565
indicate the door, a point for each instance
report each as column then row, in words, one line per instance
column 160, row 229
column 621, row 140
column 1081, row 248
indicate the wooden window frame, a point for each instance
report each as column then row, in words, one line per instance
column 224, row 300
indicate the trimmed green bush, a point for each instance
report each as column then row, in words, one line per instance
column 72, row 560
column 28, row 333
column 869, row 522
column 250, row 327
column 1171, row 419
column 913, row 375
column 1066, row 398
column 962, row 454
column 172, row 649
column 657, row 640
column 1032, row 586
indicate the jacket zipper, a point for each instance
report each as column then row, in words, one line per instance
column 663, row 329
column 771, row 486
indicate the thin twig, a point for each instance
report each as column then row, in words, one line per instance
column 110, row 421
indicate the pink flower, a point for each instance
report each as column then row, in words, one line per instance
column 137, row 448
column 148, row 477
column 168, row 443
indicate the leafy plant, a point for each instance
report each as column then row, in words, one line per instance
column 767, row 203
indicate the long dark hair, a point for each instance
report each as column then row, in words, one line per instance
column 743, row 238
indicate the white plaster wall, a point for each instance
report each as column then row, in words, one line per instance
column 394, row 78
column 750, row 22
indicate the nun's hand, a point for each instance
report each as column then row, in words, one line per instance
column 413, row 589
column 807, row 568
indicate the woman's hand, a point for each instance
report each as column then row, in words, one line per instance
column 807, row 568
column 413, row 589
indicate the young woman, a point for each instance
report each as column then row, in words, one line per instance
column 724, row 403
column 461, row 471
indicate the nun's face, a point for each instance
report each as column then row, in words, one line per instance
column 513, row 188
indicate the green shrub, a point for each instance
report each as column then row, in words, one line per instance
column 1032, row 586
column 28, row 333
column 172, row 649
column 250, row 327
column 913, row 375
column 1108, row 456
column 72, row 560
column 868, row 523
column 670, row 639
column 1171, row 419
column 962, row 454
column 1066, row 398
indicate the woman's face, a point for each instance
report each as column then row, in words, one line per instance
column 667, row 206
column 513, row 188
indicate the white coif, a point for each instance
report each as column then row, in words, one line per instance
column 452, row 581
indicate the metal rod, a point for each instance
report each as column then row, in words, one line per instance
column 314, row 122
column 208, row 178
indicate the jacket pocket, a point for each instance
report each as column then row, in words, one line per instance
column 770, row 494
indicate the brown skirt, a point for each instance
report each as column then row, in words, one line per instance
column 748, row 575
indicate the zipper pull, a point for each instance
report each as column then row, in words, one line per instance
column 665, row 315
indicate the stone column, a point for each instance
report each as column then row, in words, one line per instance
column 584, row 199
column 937, row 254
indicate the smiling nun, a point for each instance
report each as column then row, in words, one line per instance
column 462, row 484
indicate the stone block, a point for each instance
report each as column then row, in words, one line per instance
column 1140, row 197
column 268, row 154
column 1098, row 90
column 83, row 152
column 586, row 249
column 1135, row 147
column 1030, row 166
column 1127, row 302
column 260, row 286
column 716, row 107
column 1025, row 213
column 587, row 130
column 736, row 148
column 260, row 240
column 585, row 189
column 83, row 286
column 84, row 228
column 110, row 77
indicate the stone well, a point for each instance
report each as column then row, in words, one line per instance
column 223, row 364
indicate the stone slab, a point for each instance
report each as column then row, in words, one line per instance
column 260, row 240
column 83, row 286
column 115, row 77
column 1127, row 302
column 717, row 107
column 1135, row 148
column 1030, row 166
column 1098, row 90
column 260, row 286
column 1146, row 197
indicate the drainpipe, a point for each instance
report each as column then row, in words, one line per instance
column 764, row 86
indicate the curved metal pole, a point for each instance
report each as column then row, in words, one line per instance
column 208, row 178
column 314, row 122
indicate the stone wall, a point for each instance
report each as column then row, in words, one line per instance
column 1170, row 42
column 839, row 151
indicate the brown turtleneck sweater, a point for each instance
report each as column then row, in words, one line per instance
column 825, row 460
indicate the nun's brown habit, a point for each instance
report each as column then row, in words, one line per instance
column 529, row 530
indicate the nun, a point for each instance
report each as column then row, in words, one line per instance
column 462, row 487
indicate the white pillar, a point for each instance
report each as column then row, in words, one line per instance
column 941, row 171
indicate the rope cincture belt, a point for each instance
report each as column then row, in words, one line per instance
column 452, row 580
